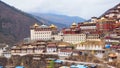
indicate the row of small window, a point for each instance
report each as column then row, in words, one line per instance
column 88, row 27
column 40, row 36
column 75, row 38
column 37, row 38
column 80, row 35
column 65, row 53
column 92, row 38
column 42, row 32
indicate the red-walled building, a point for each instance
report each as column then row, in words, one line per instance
column 104, row 24
column 72, row 30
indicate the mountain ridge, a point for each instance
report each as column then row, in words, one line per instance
column 57, row 18
column 47, row 22
column 14, row 24
column 113, row 12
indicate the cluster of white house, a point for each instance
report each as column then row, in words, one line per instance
column 4, row 50
column 57, row 48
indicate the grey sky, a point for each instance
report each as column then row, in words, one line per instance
column 82, row 8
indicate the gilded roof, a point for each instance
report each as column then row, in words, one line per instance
column 52, row 26
column 35, row 25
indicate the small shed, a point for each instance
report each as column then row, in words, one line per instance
column 78, row 66
column 1, row 66
column 58, row 61
column 19, row 67
column 107, row 46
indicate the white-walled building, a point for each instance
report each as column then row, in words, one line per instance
column 7, row 54
column 42, row 32
column 93, row 47
column 87, row 26
column 74, row 38
column 112, row 39
column 51, row 48
column 90, row 45
column 3, row 48
column 93, row 37
column 65, row 52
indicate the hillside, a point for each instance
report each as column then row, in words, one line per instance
column 113, row 13
column 14, row 24
column 59, row 19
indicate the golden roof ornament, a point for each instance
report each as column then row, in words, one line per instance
column 102, row 18
column 52, row 26
column 35, row 25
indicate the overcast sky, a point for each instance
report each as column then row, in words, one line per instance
column 82, row 8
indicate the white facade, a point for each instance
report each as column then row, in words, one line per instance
column 7, row 54
column 89, row 47
column 2, row 48
column 87, row 27
column 64, row 53
column 93, row 37
column 51, row 50
column 112, row 40
column 42, row 32
column 1, row 51
column 32, row 34
column 93, row 20
column 38, row 51
column 74, row 38
column 40, row 35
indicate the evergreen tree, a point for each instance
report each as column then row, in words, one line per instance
column 52, row 64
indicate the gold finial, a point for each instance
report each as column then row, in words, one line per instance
column 102, row 18
column 35, row 25
column 52, row 26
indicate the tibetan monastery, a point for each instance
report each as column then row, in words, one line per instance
column 42, row 32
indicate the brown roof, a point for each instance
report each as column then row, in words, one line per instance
column 52, row 47
column 42, row 29
column 65, row 50
column 41, row 43
column 76, row 51
column 112, row 55
column 63, row 44
column 51, row 44
column 93, row 42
